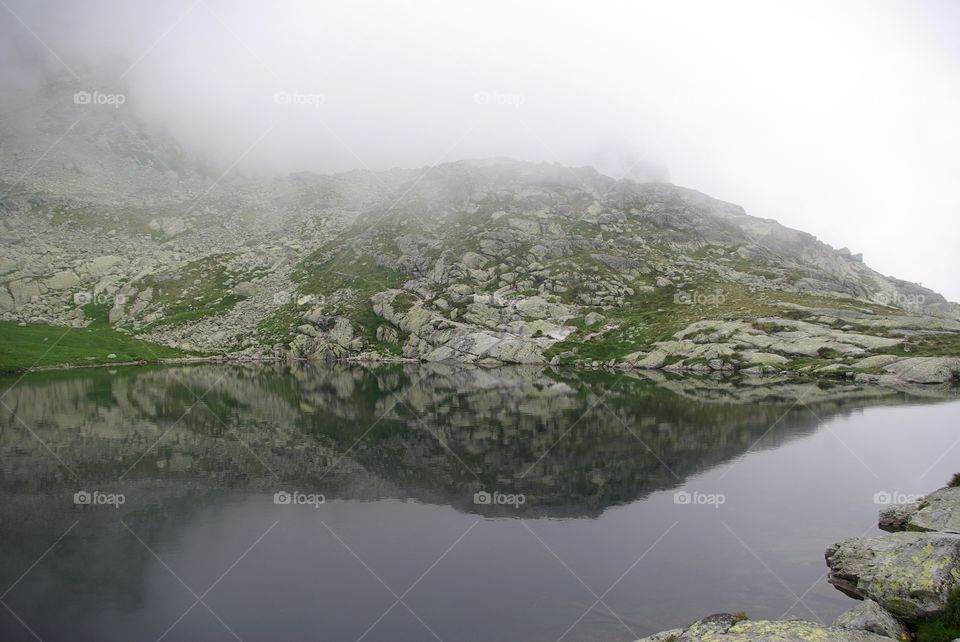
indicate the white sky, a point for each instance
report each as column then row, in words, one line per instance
column 837, row 118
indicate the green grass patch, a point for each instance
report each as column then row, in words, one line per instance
column 280, row 327
column 806, row 364
column 131, row 221
column 946, row 626
column 323, row 274
column 345, row 269
column 200, row 289
column 39, row 344
column 768, row 326
column 934, row 345
column 403, row 302
column 655, row 316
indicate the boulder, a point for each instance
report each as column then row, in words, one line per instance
column 877, row 361
column 387, row 334
column 728, row 628
column 655, row 359
column 443, row 353
column 170, row 225
column 908, row 574
column 23, row 290
column 517, row 351
column 473, row 261
column 341, row 333
column 482, row 314
column 459, row 292
column 870, row 616
column 894, row 518
column 808, row 346
column 755, row 358
column 621, row 264
column 536, row 307
column 100, row 266
column 62, row 280
column 926, row 369
column 6, row 301
column 117, row 310
column 246, row 289
column 939, row 511
column 314, row 315
column 664, row 636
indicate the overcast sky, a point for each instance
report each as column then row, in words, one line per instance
column 837, row 118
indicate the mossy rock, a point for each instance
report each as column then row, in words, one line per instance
column 908, row 574
column 725, row 627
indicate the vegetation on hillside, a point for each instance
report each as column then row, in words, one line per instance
column 41, row 345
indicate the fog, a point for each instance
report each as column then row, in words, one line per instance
column 839, row 119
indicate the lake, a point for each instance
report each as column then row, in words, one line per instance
column 275, row 502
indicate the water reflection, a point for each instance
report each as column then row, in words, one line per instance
column 208, row 446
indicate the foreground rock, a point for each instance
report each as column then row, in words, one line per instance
column 908, row 574
column 902, row 579
column 870, row 616
column 728, row 628
column 939, row 511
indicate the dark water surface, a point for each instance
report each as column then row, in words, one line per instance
column 200, row 549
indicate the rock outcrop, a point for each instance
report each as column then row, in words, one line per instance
column 908, row 574
column 729, row 628
column 903, row 579
column 939, row 511
column 870, row 616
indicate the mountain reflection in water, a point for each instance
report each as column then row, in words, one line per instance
column 399, row 454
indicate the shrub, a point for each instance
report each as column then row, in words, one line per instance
column 946, row 626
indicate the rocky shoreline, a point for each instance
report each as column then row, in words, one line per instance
column 907, row 580
column 912, row 371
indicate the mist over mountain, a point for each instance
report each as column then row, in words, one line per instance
column 108, row 220
column 853, row 140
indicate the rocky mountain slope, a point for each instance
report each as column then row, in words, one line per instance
column 485, row 261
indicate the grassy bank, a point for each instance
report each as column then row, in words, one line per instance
column 39, row 344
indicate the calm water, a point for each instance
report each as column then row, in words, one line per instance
column 200, row 549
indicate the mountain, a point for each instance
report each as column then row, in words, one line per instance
column 106, row 221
